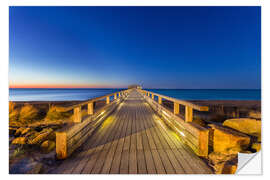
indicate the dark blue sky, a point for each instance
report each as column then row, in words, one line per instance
column 159, row 47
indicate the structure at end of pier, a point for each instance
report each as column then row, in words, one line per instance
column 134, row 86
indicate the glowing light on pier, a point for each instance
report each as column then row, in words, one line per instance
column 164, row 112
column 180, row 132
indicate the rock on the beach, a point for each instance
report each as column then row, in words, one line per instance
column 52, row 136
column 229, row 168
column 228, row 141
column 31, row 135
column 19, row 140
column 254, row 114
column 12, row 130
column 246, row 152
column 223, row 163
column 26, row 130
column 217, row 157
column 39, row 137
column 47, row 146
column 19, row 131
column 245, row 125
column 22, row 131
column 256, row 146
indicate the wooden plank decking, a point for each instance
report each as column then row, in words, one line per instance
column 133, row 140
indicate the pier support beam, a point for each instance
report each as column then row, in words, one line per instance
column 90, row 108
column 176, row 108
column 153, row 96
column 77, row 115
column 61, row 145
column 188, row 114
column 159, row 100
column 108, row 100
column 119, row 95
column 115, row 96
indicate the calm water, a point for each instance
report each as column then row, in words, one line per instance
column 84, row 94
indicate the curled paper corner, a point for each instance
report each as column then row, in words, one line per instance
column 249, row 163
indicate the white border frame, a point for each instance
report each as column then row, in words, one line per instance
column 4, row 67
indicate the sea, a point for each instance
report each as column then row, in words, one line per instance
column 20, row 94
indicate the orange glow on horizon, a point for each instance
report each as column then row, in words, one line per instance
column 61, row 86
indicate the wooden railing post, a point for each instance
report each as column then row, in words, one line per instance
column 91, row 108
column 61, row 145
column 176, row 108
column 159, row 100
column 77, row 114
column 188, row 114
column 115, row 96
column 119, row 95
column 153, row 96
column 108, row 100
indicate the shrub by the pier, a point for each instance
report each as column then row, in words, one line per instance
column 57, row 113
column 29, row 114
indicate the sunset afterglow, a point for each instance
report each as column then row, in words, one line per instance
column 156, row 47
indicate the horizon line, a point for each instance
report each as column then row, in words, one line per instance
column 127, row 88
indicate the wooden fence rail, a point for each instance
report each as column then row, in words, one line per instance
column 189, row 107
column 90, row 104
column 194, row 135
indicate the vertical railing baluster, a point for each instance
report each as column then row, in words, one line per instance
column 176, row 108
column 90, row 108
column 108, row 100
column 188, row 114
column 159, row 100
column 77, row 114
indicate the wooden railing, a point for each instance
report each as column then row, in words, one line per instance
column 189, row 107
column 90, row 104
column 70, row 138
column 194, row 135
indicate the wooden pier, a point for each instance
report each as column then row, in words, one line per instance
column 133, row 134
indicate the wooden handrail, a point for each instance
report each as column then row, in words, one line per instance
column 95, row 99
column 182, row 102
column 77, row 107
column 188, row 105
